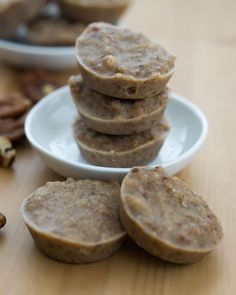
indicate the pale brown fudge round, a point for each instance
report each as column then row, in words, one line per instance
column 166, row 217
column 114, row 116
column 54, row 32
column 119, row 150
column 94, row 10
column 15, row 12
column 121, row 63
column 75, row 221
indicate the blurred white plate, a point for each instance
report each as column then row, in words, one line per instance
column 48, row 129
column 31, row 56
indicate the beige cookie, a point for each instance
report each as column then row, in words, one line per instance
column 121, row 63
column 119, row 150
column 94, row 10
column 164, row 216
column 54, row 32
column 75, row 221
column 110, row 115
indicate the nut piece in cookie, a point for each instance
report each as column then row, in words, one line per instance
column 121, row 63
column 75, row 221
column 164, row 216
column 7, row 152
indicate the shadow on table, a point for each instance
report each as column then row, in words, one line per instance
column 131, row 265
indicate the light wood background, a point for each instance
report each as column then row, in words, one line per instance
column 203, row 36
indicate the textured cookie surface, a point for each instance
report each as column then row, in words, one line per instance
column 166, row 217
column 75, row 221
column 122, row 63
column 110, row 115
column 119, row 150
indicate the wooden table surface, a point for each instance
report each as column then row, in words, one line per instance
column 203, row 36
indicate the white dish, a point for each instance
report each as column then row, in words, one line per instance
column 30, row 56
column 48, row 129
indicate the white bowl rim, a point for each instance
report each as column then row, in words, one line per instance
column 36, row 50
column 196, row 110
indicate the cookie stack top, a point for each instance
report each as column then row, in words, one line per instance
column 121, row 63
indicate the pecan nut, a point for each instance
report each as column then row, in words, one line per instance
column 3, row 220
column 7, row 152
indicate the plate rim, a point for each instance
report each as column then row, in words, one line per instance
column 113, row 170
column 36, row 50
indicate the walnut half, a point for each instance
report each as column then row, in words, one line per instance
column 7, row 152
column 3, row 220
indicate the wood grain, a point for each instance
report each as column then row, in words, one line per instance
column 203, row 36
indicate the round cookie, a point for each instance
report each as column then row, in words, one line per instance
column 119, row 150
column 121, row 63
column 75, row 221
column 54, row 32
column 93, row 10
column 110, row 115
column 166, row 218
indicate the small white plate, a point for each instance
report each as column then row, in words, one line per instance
column 48, row 129
column 31, row 56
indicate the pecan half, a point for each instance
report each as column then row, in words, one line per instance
column 3, row 220
column 37, row 84
column 7, row 152
column 13, row 104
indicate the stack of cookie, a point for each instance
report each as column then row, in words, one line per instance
column 121, row 96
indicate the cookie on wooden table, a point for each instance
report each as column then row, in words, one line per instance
column 166, row 217
column 75, row 221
